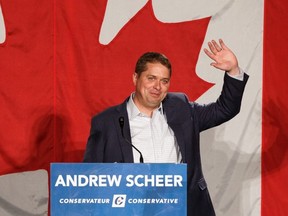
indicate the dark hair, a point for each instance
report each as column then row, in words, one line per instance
column 152, row 57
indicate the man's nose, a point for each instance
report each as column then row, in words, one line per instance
column 157, row 84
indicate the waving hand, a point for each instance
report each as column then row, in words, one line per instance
column 224, row 59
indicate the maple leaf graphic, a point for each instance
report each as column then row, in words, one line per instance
column 74, row 76
column 105, row 71
column 180, row 42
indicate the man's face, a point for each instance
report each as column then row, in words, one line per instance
column 151, row 86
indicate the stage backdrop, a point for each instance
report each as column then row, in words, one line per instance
column 61, row 62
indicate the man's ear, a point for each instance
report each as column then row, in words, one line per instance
column 135, row 77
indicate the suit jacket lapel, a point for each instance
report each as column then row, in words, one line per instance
column 126, row 147
column 175, row 122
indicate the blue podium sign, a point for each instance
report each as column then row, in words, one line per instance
column 118, row 189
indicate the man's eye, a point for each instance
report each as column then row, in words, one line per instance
column 151, row 78
column 165, row 81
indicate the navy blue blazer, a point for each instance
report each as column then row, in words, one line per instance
column 186, row 119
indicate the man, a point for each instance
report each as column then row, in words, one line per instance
column 156, row 126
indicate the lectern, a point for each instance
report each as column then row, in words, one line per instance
column 118, row 189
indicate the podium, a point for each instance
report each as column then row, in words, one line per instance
column 118, row 189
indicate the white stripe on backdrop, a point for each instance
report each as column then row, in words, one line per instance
column 231, row 153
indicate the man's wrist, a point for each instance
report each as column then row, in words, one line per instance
column 234, row 72
column 239, row 74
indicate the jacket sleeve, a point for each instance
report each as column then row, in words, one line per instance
column 95, row 145
column 225, row 108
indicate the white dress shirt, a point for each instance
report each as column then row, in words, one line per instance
column 152, row 136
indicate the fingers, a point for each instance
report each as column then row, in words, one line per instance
column 215, row 48
column 214, row 51
column 208, row 53
column 222, row 44
column 212, row 48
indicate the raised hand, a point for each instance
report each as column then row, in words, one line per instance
column 224, row 59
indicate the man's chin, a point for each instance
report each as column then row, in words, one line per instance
column 155, row 103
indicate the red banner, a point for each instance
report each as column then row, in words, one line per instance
column 275, row 106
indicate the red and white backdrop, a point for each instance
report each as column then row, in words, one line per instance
column 61, row 62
